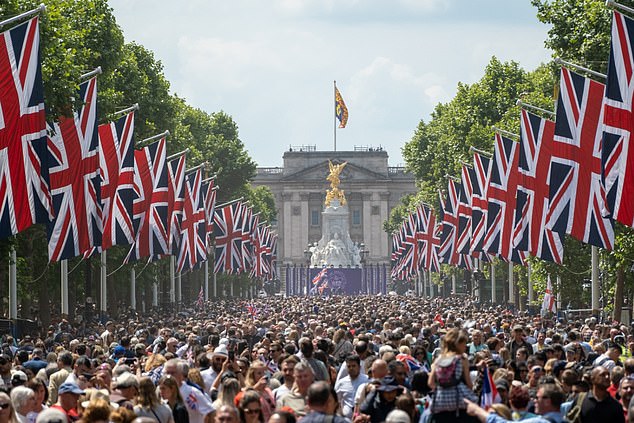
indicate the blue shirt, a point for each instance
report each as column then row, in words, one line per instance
column 551, row 417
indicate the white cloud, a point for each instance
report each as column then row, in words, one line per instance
column 271, row 64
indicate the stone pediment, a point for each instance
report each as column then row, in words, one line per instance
column 351, row 173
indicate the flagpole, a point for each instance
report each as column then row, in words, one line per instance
column 195, row 168
column 595, row 280
column 132, row 108
column 534, row 108
column 21, row 16
column 96, row 71
column 63, row 268
column 335, row 114
column 511, row 287
column 173, row 282
column 175, row 155
column 530, row 284
column 103, row 277
column 561, row 62
column 611, row 4
column 207, row 279
column 504, row 132
column 493, row 293
column 152, row 138
column 133, row 288
column 13, row 284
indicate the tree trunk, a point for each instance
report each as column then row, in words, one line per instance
column 618, row 293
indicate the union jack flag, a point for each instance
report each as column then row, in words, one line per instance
column 228, row 233
column 463, row 235
column 319, row 276
column 116, row 162
column 75, row 182
column 530, row 232
column 150, row 204
column 617, row 155
column 24, row 189
column 500, row 192
column 175, row 201
column 193, row 227
column 260, row 239
column 479, row 204
column 429, row 239
column 577, row 194
column 247, row 238
column 209, row 196
column 411, row 364
column 272, row 251
column 449, row 217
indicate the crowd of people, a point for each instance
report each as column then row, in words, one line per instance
column 363, row 359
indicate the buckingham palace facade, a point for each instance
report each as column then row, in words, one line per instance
column 372, row 188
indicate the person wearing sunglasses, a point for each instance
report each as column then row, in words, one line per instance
column 250, row 407
column 6, row 410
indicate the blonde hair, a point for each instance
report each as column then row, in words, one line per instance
column 451, row 340
column 249, row 379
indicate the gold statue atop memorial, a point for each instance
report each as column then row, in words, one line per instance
column 334, row 193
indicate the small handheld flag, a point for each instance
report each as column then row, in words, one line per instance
column 341, row 111
column 548, row 305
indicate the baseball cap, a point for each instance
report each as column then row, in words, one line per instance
column 70, row 387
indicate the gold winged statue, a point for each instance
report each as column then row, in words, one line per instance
column 334, row 192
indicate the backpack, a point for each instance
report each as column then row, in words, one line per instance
column 446, row 371
column 574, row 414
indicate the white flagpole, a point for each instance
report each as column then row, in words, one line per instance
column 493, row 293
column 103, row 286
column 63, row 267
column 511, row 286
column 172, row 281
column 133, row 288
column 530, row 284
column 21, row 16
column 595, row 280
column 207, row 279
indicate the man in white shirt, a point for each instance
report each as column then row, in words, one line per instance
column 198, row 403
column 347, row 386
column 288, row 366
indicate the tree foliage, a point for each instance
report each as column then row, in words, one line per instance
column 76, row 37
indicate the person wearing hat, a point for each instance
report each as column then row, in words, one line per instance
column 518, row 341
column 219, row 356
column 18, row 378
column 126, row 388
column 67, row 399
column 378, row 404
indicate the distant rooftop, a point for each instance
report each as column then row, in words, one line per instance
column 313, row 148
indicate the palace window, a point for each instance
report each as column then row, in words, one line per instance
column 356, row 217
column 314, row 218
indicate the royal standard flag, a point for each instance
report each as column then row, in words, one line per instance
column 341, row 111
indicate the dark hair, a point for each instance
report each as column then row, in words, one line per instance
column 353, row 357
column 419, row 382
column 318, row 394
column 554, row 392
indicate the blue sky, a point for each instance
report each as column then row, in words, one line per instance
column 270, row 64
